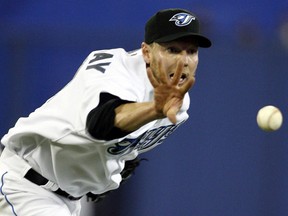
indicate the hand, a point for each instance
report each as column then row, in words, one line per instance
column 168, row 93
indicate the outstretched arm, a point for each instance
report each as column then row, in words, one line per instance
column 168, row 99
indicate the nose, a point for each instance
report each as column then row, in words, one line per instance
column 185, row 59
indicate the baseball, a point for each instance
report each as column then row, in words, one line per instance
column 269, row 118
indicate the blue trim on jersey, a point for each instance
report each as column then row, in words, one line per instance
column 6, row 198
column 150, row 138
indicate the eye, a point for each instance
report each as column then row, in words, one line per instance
column 173, row 50
column 192, row 50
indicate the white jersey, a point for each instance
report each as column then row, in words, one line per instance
column 54, row 141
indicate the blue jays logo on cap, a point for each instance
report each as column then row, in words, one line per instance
column 182, row 19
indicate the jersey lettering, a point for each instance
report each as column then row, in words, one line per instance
column 99, row 66
column 145, row 141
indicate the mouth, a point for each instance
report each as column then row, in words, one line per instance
column 182, row 78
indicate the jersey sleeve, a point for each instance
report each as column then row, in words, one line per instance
column 106, row 72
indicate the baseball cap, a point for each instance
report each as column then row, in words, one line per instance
column 171, row 24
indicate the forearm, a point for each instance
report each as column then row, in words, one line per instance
column 131, row 116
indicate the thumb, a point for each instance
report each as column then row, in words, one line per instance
column 171, row 114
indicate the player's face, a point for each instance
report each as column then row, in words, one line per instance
column 169, row 54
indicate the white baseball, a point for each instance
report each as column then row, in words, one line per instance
column 269, row 118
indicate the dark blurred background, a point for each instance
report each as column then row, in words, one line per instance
column 217, row 164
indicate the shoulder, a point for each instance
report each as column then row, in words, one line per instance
column 118, row 57
column 113, row 53
column 115, row 71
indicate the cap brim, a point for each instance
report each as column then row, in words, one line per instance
column 202, row 41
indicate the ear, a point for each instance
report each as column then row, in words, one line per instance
column 146, row 52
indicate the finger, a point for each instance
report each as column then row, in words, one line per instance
column 162, row 74
column 187, row 85
column 152, row 78
column 178, row 73
column 171, row 114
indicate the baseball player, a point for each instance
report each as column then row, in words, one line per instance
column 86, row 139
